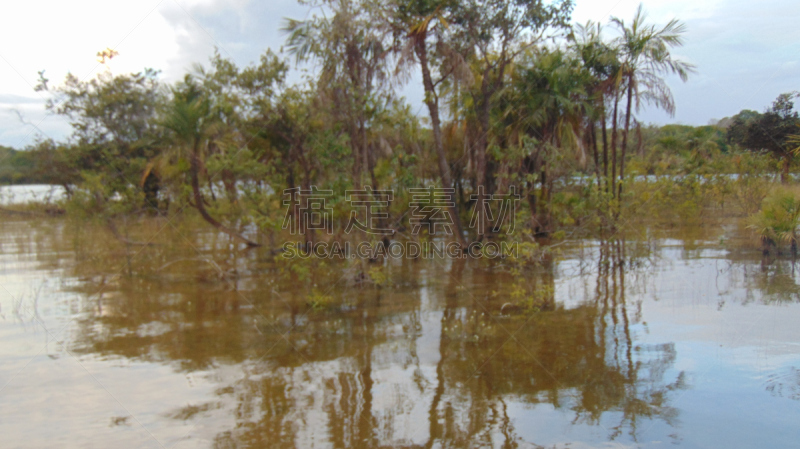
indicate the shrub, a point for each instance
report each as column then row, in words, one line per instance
column 777, row 221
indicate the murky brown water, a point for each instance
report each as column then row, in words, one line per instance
column 688, row 339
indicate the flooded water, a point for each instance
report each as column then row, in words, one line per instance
column 42, row 193
column 687, row 338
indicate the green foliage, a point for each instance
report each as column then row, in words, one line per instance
column 778, row 220
column 772, row 132
column 18, row 167
column 227, row 141
column 319, row 301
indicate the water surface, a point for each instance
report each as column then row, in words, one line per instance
column 685, row 338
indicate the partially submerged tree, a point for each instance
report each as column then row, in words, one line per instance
column 509, row 109
column 492, row 35
column 354, row 79
column 420, row 30
column 601, row 60
column 189, row 118
column 114, row 126
column 646, row 58
column 546, row 110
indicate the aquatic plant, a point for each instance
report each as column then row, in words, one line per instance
column 777, row 221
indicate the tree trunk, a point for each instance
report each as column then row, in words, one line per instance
column 530, row 166
column 366, row 162
column 787, row 162
column 593, row 142
column 614, row 145
column 432, row 103
column 200, row 206
column 483, row 143
column 605, row 141
column 639, row 141
column 543, row 215
column 625, row 135
column 229, row 182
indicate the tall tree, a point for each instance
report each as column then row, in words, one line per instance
column 354, row 77
column 646, row 58
column 420, row 30
column 493, row 33
column 601, row 61
column 548, row 106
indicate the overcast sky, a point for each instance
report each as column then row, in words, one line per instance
column 746, row 52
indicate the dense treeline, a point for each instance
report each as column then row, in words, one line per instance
column 517, row 101
column 17, row 166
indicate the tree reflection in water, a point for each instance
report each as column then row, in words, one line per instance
column 435, row 361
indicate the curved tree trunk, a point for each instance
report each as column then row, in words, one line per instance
column 200, row 205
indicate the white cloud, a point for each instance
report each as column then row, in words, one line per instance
column 62, row 37
column 746, row 53
column 658, row 11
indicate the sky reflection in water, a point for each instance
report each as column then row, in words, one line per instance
column 648, row 344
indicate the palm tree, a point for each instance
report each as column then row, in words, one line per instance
column 549, row 87
column 601, row 61
column 189, row 118
column 646, row 58
column 793, row 140
column 493, row 34
column 415, row 25
column 355, row 71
